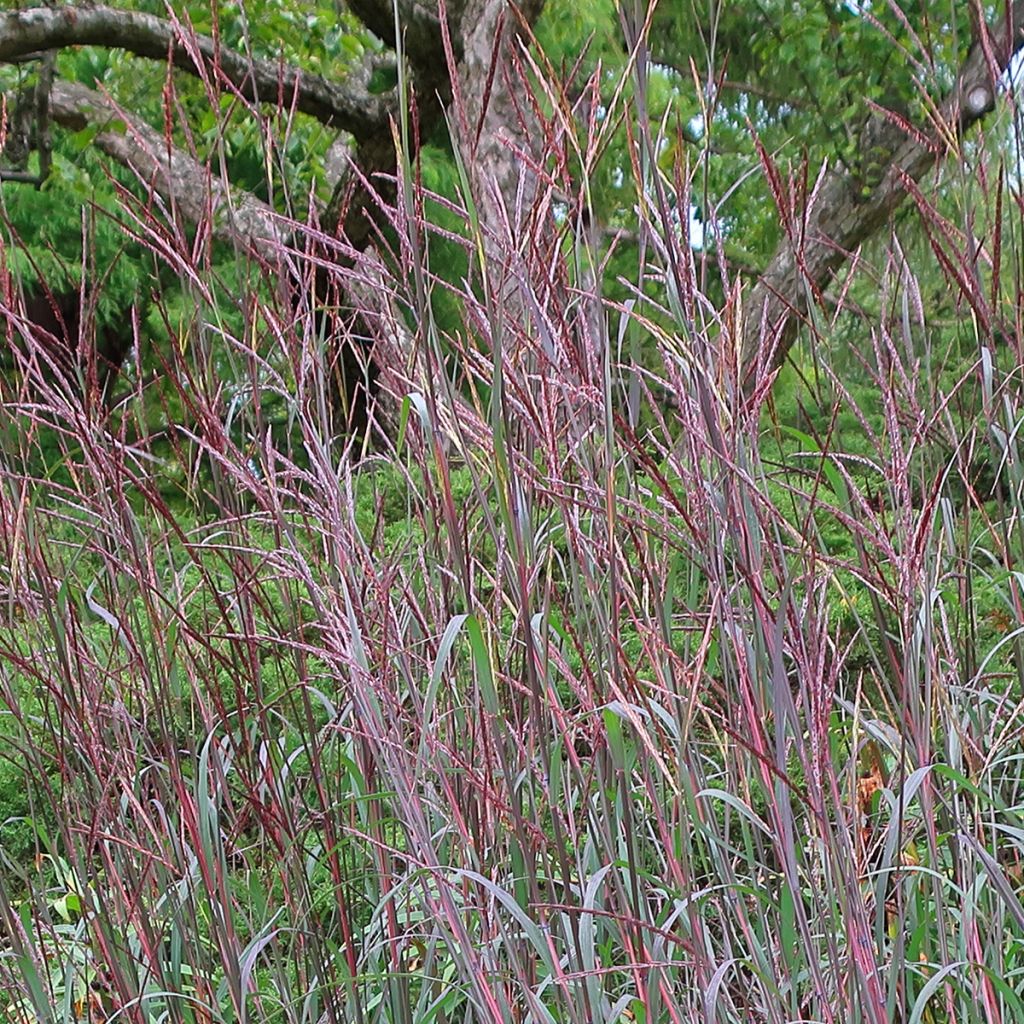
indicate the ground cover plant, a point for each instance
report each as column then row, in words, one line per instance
column 594, row 677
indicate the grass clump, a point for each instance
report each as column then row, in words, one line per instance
column 553, row 701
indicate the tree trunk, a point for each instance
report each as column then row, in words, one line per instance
column 497, row 130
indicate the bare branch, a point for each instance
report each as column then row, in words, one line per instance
column 21, row 177
column 347, row 105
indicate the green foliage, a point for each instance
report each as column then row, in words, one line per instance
column 73, row 226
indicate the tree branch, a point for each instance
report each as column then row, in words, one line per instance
column 348, row 105
column 196, row 193
column 840, row 217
